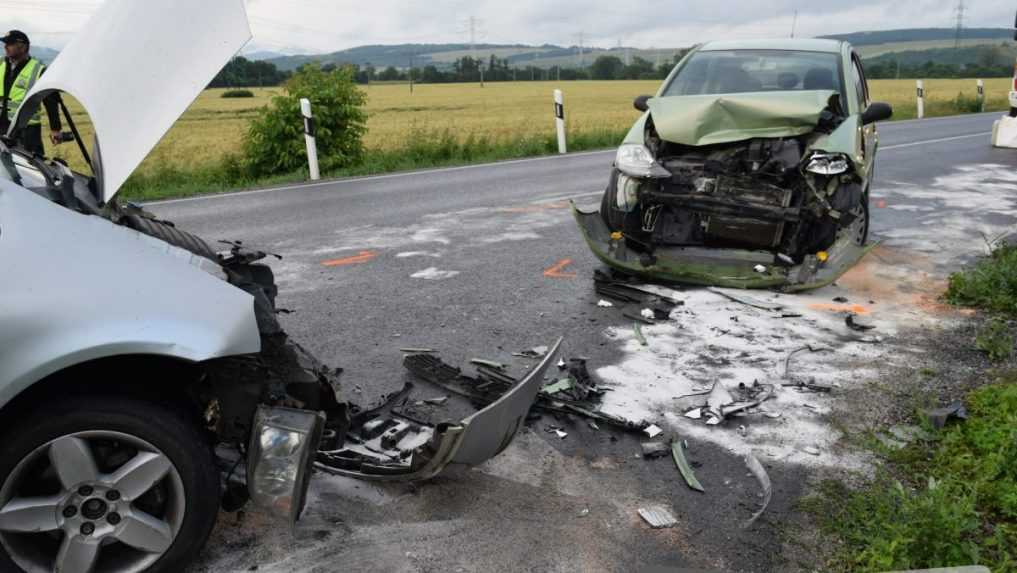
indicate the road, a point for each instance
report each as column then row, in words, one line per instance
column 483, row 261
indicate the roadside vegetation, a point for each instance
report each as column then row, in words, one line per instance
column 438, row 125
column 949, row 496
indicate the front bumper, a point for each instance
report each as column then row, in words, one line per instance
column 733, row 268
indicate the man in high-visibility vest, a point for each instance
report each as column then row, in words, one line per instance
column 20, row 71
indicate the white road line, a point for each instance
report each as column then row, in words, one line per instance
column 939, row 140
column 376, row 177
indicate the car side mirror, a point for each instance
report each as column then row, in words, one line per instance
column 877, row 111
column 641, row 103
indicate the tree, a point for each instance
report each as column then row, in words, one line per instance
column 607, row 68
column 275, row 137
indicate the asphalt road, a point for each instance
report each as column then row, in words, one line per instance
column 483, row 261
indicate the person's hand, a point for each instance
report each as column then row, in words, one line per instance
column 56, row 137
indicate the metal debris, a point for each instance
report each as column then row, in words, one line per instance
column 747, row 300
column 638, row 330
column 854, row 322
column 938, row 417
column 488, row 363
column 763, row 478
column 604, row 304
column 678, row 454
column 535, row 352
column 657, row 517
column 810, row 386
column 652, row 431
column 654, row 450
column 810, row 348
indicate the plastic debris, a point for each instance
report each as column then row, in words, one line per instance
column 648, row 313
column 653, row 450
column 584, row 512
column 638, row 330
column 811, row 450
column 417, row 350
column 535, row 352
column 678, row 454
column 938, row 417
column 840, row 299
column 763, row 478
column 810, row 348
column 488, row 363
column 436, row 401
column 604, row 304
column 652, row 431
column 593, row 425
column 759, row 269
column 695, row 413
column 559, row 386
column 562, row 435
column 747, row 300
column 854, row 322
column 657, row 517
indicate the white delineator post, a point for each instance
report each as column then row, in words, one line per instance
column 1004, row 131
column 981, row 95
column 559, row 120
column 920, row 91
column 309, row 135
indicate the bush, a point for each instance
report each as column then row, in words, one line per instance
column 967, row 103
column 237, row 93
column 991, row 284
column 995, row 340
column 275, row 138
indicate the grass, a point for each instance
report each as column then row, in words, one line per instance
column 507, row 117
column 947, row 501
column 991, row 284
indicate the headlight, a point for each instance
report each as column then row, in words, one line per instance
column 627, row 196
column 279, row 458
column 635, row 160
column 828, row 164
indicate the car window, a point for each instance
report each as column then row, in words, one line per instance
column 858, row 78
column 740, row 71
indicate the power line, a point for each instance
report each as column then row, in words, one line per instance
column 960, row 24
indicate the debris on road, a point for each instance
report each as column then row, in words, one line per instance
column 604, row 304
column 938, row 417
column 559, row 386
column 720, row 404
column 648, row 314
column 535, row 352
column 417, row 350
column 433, row 401
column 638, row 330
column 811, row 450
column 678, row 453
column 810, row 348
column 626, row 291
column 694, row 414
column 653, row 450
column 652, row 431
column 856, row 323
column 657, row 517
column 747, row 300
column 759, row 268
column 810, row 386
column 763, row 478
column 488, row 363
column 840, row 299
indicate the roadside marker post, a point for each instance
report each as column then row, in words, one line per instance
column 920, row 89
column 981, row 95
column 309, row 138
column 559, row 120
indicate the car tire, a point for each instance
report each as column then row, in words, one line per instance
column 183, row 497
column 613, row 217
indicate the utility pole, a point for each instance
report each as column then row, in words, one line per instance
column 581, row 38
column 410, row 73
column 960, row 24
column 794, row 23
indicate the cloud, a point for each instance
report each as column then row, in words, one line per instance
column 330, row 25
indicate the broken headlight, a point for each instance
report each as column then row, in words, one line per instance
column 282, row 449
column 828, row 164
column 627, row 196
column 635, row 160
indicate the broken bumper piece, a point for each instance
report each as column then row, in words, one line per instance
column 715, row 266
column 397, row 450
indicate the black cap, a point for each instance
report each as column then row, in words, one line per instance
column 15, row 36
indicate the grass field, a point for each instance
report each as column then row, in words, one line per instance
column 499, row 112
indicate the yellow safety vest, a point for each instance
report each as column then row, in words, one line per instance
column 20, row 88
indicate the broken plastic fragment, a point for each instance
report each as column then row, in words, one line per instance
column 561, row 435
column 654, row 449
column 648, row 313
column 695, row 413
column 811, row 450
column 759, row 268
column 436, row 401
column 616, row 236
column 559, row 386
column 678, row 453
column 604, row 304
column 638, row 330
column 417, row 350
column 535, row 352
column 657, row 517
column 939, row 416
column 764, row 480
column 584, row 512
column 652, row 431
column 823, row 256
column 488, row 363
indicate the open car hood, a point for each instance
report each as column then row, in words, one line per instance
column 136, row 67
column 712, row 119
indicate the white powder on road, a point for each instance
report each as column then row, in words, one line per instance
column 434, row 274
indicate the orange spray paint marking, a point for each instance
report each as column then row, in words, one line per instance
column 555, row 272
column 855, row 308
column 363, row 257
column 881, row 204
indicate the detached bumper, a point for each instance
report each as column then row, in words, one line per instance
column 732, row 268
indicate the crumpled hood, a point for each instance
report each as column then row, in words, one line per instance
column 135, row 67
column 712, row 119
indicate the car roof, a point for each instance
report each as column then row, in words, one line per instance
column 805, row 44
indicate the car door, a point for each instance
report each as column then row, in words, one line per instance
column 870, row 138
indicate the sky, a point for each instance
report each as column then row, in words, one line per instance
column 319, row 26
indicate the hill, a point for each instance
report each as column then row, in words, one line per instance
column 921, row 35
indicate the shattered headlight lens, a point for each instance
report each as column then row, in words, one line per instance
column 282, row 449
column 627, row 196
column 828, row 164
column 635, row 160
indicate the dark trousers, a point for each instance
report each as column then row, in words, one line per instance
column 31, row 139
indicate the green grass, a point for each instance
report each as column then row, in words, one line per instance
column 423, row 149
column 946, row 502
column 991, row 284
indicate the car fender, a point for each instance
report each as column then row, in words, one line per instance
column 78, row 288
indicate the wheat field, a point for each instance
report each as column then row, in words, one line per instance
column 214, row 126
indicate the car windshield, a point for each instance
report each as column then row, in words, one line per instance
column 741, row 71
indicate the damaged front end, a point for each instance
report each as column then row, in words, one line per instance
column 761, row 190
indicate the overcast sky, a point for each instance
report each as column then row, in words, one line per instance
column 316, row 26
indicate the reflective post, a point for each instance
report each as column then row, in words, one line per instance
column 559, row 119
column 921, row 98
column 309, row 135
column 981, row 95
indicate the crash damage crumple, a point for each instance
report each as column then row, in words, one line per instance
column 718, row 267
column 78, row 288
column 711, row 119
column 136, row 70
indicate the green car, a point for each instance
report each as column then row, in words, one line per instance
column 749, row 168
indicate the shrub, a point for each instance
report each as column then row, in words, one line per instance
column 967, row 103
column 995, row 340
column 237, row 93
column 991, row 284
column 275, row 139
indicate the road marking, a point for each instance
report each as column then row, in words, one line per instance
column 363, row 257
column 555, row 272
column 939, row 140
